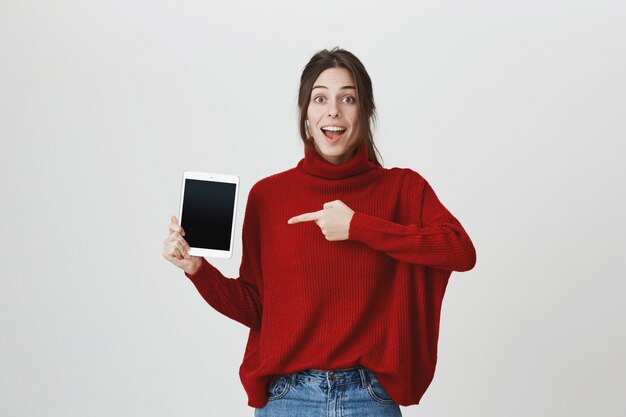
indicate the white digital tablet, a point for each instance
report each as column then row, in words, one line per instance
column 208, row 205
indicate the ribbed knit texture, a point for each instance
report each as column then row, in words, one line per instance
column 373, row 300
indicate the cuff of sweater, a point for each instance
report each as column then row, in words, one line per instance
column 201, row 273
column 365, row 228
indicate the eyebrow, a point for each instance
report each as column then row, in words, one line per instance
column 345, row 87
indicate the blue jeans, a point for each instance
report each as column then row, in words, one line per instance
column 353, row 392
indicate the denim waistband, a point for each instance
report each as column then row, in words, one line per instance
column 333, row 377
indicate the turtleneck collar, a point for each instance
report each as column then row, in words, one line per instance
column 314, row 164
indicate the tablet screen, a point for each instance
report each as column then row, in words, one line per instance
column 207, row 214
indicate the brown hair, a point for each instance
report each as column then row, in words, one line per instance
column 340, row 58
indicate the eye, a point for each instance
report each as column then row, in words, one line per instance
column 319, row 99
column 349, row 100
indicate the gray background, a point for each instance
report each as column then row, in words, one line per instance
column 513, row 110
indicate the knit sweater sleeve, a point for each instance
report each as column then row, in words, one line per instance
column 237, row 298
column 436, row 240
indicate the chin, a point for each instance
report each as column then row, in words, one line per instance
column 334, row 151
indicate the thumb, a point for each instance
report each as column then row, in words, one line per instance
column 174, row 219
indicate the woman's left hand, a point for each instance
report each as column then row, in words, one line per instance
column 334, row 220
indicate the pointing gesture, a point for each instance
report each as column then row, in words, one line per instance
column 334, row 220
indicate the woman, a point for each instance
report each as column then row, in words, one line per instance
column 344, row 265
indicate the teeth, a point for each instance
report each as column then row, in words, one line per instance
column 334, row 128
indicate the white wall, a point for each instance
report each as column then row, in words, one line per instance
column 513, row 110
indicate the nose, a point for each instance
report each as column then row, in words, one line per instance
column 333, row 111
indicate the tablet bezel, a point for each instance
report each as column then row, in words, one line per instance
column 212, row 177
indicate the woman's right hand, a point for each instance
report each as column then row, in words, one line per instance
column 176, row 249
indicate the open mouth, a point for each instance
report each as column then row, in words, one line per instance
column 333, row 133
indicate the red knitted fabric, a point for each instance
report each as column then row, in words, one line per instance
column 373, row 300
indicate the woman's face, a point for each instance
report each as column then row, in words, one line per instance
column 333, row 115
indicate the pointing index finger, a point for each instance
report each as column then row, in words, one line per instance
column 306, row 217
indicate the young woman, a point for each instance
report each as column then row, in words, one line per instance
column 344, row 265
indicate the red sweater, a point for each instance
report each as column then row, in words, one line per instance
column 373, row 300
